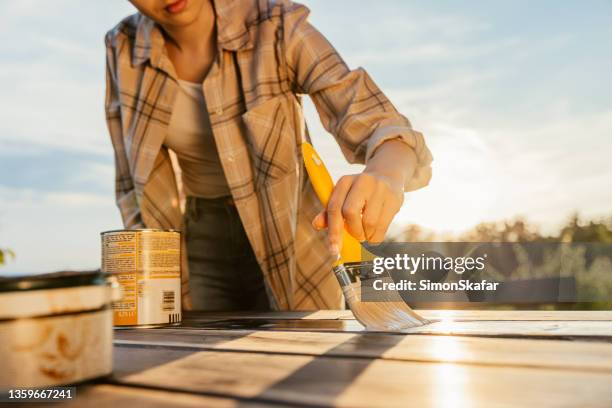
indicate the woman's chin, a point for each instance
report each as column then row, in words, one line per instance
column 182, row 20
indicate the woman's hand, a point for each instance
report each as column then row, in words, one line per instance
column 366, row 203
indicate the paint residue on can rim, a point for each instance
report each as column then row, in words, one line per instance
column 147, row 265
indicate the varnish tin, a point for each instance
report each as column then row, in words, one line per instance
column 55, row 328
column 147, row 266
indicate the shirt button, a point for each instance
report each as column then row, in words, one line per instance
column 230, row 159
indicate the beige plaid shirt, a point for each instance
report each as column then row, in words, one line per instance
column 268, row 56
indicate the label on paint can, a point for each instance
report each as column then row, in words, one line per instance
column 147, row 266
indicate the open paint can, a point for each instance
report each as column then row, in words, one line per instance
column 55, row 329
column 147, row 266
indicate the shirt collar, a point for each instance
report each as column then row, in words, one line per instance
column 232, row 19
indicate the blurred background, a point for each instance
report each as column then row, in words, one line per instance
column 513, row 97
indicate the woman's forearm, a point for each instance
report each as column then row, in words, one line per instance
column 393, row 159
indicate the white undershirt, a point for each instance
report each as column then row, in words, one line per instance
column 190, row 137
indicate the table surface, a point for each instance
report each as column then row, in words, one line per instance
column 325, row 358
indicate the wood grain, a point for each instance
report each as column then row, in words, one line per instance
column 105, row 395
column 523, row 315
column 324, row 380
column 463, row 359
column 307, row 315
column 422, row 348
column 447, row 326
column 515, row 328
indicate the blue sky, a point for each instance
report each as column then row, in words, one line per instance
column 513, row 97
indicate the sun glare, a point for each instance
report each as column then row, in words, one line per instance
column 466, row 186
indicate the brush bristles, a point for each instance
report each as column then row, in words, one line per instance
column 393, row 315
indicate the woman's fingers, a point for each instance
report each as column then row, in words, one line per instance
column 391, row 206
column 372, row 215
column 335, row 219
column 354, row 203
column 319, row 222
column 365, row 204
column 386, row 216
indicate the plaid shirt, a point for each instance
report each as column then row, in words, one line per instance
column 268, row 56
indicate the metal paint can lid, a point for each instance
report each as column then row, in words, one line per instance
column 53, row 294
column 64, row 279
column 139, row 230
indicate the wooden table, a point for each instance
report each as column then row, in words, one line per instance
column 463, row 359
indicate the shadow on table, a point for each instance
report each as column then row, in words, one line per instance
column 321, row 381
column 134, row 358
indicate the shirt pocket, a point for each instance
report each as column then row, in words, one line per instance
column 272, row 138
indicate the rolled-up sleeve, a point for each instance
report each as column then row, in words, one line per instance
column 350, row 105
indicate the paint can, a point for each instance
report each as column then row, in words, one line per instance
column 147, row 266
column 55, row 328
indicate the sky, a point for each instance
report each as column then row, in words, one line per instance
column 513, row 98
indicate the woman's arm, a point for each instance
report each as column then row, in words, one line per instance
column 367, row 127
column 124, row 184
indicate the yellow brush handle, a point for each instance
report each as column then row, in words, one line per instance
column 323, row 185
column 317, row 172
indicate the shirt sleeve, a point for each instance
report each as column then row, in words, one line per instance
column 124, row 183
column 349, row 103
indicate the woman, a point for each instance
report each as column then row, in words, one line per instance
column 203, row 100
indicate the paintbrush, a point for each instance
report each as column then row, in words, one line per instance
column 353, row 269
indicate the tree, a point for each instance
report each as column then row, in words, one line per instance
column 4, row 254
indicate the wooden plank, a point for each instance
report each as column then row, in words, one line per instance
column 499, row 328
column 274, row 324
column 512, row 328
column 465, row 350
column 308, row 315
column 324, row 380
column 563, row 315
column 116, row 396
column 523, row 315
column 449, row 385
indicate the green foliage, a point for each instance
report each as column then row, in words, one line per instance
column 590, row 265
column 5, row 254
column 517, row 230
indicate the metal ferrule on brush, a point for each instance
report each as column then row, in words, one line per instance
column 354, row 272
column 360, row 270
column 343, row 276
